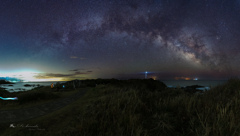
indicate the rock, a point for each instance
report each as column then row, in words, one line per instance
column 193, row 88
column 5, row 82
column 3, row 88
column 27, row 85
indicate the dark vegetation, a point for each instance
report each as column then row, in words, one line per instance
column 145, row 108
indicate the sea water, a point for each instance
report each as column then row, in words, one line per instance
column 183, row 83
column 19, row 86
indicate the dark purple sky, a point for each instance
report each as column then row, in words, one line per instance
column 79, row 39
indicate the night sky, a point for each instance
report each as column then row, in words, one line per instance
column 87, row 39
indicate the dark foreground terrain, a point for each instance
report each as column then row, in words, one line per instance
column 132, row 107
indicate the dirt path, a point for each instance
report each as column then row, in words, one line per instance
column 10, row 116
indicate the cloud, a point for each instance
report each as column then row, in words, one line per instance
column 51, row 75
column 75, row 70
column 80, row 73
column 73, row 57
column 57, row 75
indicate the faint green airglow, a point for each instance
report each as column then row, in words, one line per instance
column 26, row 75
column 23, row 74
column 31, row 75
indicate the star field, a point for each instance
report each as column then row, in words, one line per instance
column 65, row 39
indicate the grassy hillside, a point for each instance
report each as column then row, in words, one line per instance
column 142, row 108
column 33, row 97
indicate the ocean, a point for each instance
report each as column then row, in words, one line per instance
column 19, row 86
column 183, row 83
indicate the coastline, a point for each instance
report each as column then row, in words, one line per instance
column 206, row 84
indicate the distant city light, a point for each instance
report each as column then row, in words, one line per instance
column 25, row 75
column 185, row 78
column 154, row 77
column 52, row 85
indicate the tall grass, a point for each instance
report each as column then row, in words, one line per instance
column 119, row 110
column 138, row 111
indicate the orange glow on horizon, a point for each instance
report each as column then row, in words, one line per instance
column 184, row 78
column 154, row 77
